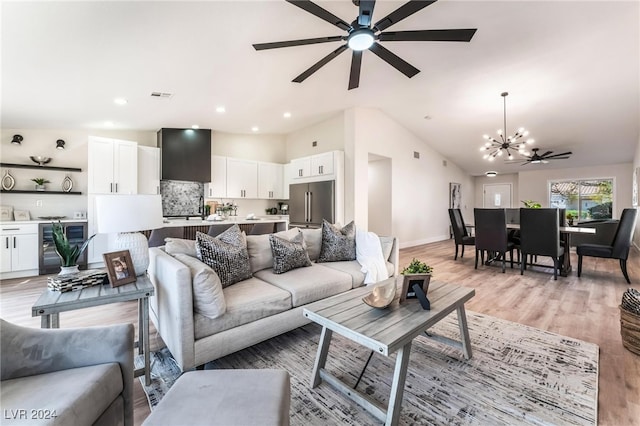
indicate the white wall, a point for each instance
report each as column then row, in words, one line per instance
column 380, row 194
column 270, row 148
column 420, row 186
column 534, row 185
column 636, row 164
column 328, row 134
column 43, row 143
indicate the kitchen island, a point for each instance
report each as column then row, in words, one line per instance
column 194, row 224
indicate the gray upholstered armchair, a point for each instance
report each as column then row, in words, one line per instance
column 73, row 376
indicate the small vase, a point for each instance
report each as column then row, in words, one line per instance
column 66, row 270
column 40, row 187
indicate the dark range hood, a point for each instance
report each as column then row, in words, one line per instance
column 185, row 154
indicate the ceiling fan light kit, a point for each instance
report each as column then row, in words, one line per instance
column 361, row 36
column 496, row 147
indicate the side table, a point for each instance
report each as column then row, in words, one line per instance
column 51, row 303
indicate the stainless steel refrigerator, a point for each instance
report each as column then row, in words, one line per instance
column 309, row 203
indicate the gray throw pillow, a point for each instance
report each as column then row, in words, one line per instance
column 338, row 244
column 288, row 254
column 226, row 254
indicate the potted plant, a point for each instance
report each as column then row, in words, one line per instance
column 417, row 272
column 68, row 254
column 530, row 204
column 40, row 182
column 570, row 218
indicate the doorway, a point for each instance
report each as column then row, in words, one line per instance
column 379, row 195
column 497, row 195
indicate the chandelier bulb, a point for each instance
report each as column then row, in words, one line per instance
column 488, row 144
column 500, row 153
column 530, row 141
column 525, row 133
column 499, row 132
column 490, row 158
column 510, row 157
column 521, row 130
column 485, row 156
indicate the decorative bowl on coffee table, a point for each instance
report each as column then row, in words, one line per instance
column 381, row 295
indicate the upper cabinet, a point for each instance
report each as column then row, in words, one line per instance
column 270, row 180
column 301, row 167
column 217, row 188
column 148, row 170
column 320, row 166
column 113, row 166
column 242, row 178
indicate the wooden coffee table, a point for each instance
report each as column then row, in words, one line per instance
column 385, row 331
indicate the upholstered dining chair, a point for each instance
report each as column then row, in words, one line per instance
column 460, row 234
column 491, row 235
column 261, row 228
column 540, row 235
column 619, row 248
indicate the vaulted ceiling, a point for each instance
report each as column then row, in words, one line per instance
column 571, row 69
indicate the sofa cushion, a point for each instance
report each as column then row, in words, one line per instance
column 354, row 269
column 307, row 285
column 387, row 247
column 313, row 240
column 208, row 298
column 174, row 246
column 226, row 254
column 78, row 396
column 288, row 255
column 246, row 301
column 338, row 244
column 259, row 248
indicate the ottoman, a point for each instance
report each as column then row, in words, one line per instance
column 226, row 398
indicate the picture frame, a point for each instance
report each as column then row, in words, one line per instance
column 407, row 283
column 119, row 268
column 6, row 213
column 21, row 215
column 455, row 196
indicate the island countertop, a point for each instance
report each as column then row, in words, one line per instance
column 171, row 222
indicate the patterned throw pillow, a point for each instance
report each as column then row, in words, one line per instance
column 338, row 244
column 226, row 254
column 288, row 255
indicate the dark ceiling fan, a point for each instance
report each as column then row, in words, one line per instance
column 361, row 35
column 536, row 158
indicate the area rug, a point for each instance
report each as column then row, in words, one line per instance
column 517, row 375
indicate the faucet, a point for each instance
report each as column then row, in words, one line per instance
column 201, row 207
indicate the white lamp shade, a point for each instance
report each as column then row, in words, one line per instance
column 128, row 213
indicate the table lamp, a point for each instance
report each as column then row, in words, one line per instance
column 126, row 215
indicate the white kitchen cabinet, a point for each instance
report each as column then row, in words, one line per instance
column 19, row 250
column 112, row 166
column 242, row 178
column 217, row 188
column 322, row 164
column 301, row 167
column 148, row 170
column 286, row 180
column 270, row 180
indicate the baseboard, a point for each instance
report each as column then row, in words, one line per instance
column 406, row 244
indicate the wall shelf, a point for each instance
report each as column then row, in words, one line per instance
column 29, row 166
column 20, row 191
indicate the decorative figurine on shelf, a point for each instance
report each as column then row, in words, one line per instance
column 40, row 183
column 8, row 182
column 68, row 255
column 415, row 282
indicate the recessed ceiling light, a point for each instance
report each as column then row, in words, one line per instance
column 108, row 123
column 120, row 101
column 195, row 126
column 491, row 174
column 255, row 128
column 287, row 115
column 221, row 109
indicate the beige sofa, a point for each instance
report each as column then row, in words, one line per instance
column 256, row 309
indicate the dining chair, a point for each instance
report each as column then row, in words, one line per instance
column 261, row 228
column 540, row 235
column 460, row 233
column 157, row 236
column 491, row 235
column 619, row 248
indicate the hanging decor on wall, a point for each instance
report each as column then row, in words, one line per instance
column 455, row 197
column 67, row 184
column 8, row 182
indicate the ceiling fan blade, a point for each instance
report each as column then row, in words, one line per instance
column 429, row 35
column 356, row 63
column 401, row 13
column 366, row 12
column 321, row 13
column 557, row 158
column 546, row 153
column 322, row 62
column 394, row 60
column 290, row 43
column 559, row 155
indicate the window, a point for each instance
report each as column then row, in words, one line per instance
column 587, row 199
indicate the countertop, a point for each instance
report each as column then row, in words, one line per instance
column 38, row 221
column 234, row 219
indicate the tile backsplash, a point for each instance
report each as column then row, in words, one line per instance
column 181, row 198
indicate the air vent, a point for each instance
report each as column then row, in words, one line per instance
column 416, row 154
column 444, row 163
column 161, row 95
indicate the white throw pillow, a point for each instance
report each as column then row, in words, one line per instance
column 175, row 246
column 259, row 248
column 208, row 298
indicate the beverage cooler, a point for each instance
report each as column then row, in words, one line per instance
column 49, row 262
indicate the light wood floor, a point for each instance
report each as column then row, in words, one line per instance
column 585, row 308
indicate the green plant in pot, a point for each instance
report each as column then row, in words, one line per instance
column 416, row 272
column 68, row 253
column 40, row 182
column 530, row 204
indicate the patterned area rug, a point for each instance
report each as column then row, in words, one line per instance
column 518, row 375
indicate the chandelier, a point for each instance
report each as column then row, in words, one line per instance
column 506, row 144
